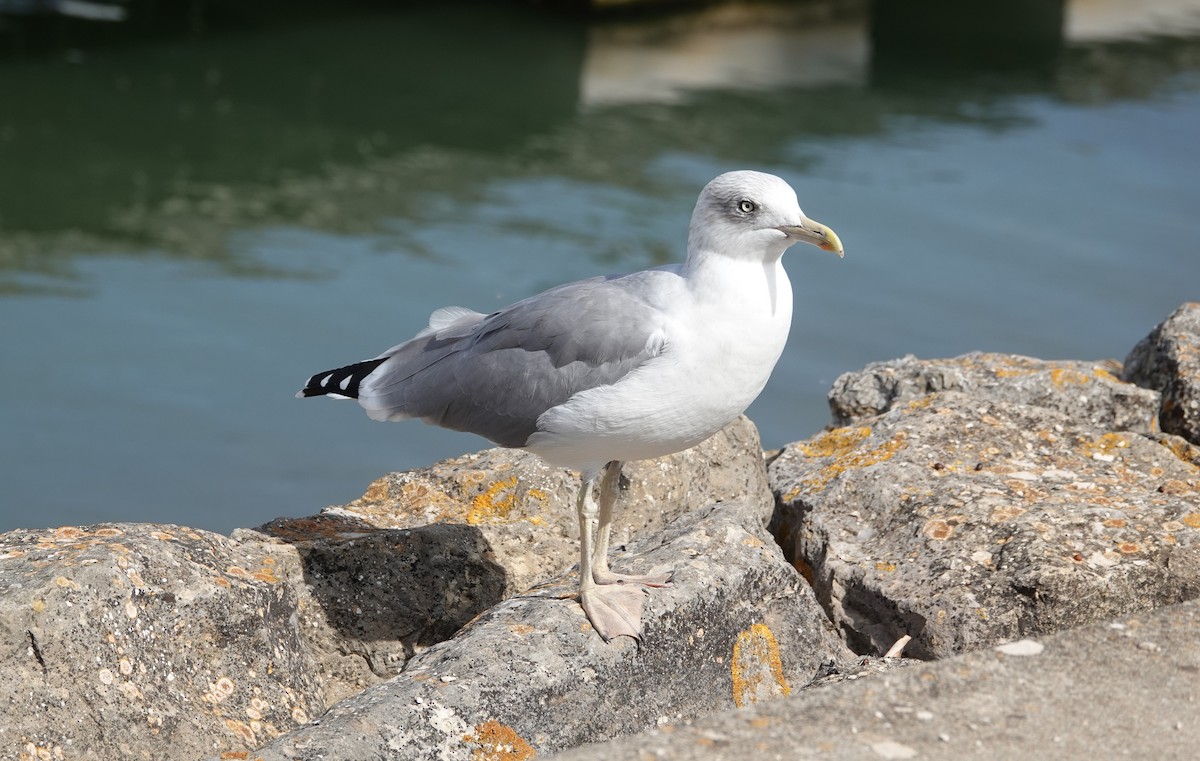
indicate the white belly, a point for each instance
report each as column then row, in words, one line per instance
column 717, row 358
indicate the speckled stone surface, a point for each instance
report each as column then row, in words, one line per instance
column 148, row 642
column 965, row 502
column 1087, row 391
column 160, row 641
column 1128, row 688
column 963, row 521
column 530, row 676
column 525, row 510
column 1168, row 360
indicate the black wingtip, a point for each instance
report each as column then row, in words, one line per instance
column 344, row 381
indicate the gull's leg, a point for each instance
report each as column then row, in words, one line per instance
column 613, row 610
column 609, row 491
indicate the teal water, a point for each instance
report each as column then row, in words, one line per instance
column 192, row 223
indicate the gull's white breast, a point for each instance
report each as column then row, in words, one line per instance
column 721, row 335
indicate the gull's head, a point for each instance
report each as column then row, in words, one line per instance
column 753, row 215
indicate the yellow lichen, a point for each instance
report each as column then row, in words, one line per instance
column 840, row 444
column 498, row 742
column 756, row 669
column 1105, row 444
column 1183, row 450
column 1191, row 520
column 1061, row 376
column 495, row 503
column 377, row 491
column 835, row 443
column 921, row 403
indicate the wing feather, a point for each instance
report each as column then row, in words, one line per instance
column 495, row 374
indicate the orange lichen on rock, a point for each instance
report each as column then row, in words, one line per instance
column 267, row 575
column 498, row 742
column 756, row 669
column 377, row 491
column 938, row 530
column 841, row 444
column 835, row 443
column 1061, row 376
column 495, row 503
column 1182, row 449
column 1104, row 445
column 1006, row 513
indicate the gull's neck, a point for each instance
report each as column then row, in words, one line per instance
column 714, row 276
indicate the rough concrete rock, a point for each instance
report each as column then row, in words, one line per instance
column 146, row 641
column 424, row 551
column 524, row 509
column 159, row 641
column 1168, row 360
column 530, row 676
column 1125, row 688
column 370, row 598
column 963, row 521
column 1087, row 391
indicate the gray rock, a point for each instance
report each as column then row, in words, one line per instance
column 963, row 521
column 161, row 641
column 1168, row 360
column 1087, row 391
column 375, row 595
column 146, row 641
column 370, row 598
column 530, row 677
column 1128, row 687
column 524, row 509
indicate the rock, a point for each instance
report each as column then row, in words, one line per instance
column 1129, row 685
column 1087, row 391
column 524, row 509
column 160, row 641
column 1168, row 360
column 372, row 597
column 529, row 676
column 146, row 641
column 964, row 521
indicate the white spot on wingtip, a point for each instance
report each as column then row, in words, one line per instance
column 345, row 384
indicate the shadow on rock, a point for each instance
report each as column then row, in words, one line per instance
column 387, row 594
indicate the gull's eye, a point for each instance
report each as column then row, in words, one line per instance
column 746, row 207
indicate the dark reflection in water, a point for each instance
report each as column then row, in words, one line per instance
column 199, row 209
column 103, row 136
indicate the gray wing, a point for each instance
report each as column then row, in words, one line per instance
column 495, row 374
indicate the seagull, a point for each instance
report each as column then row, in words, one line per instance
column 595, row 373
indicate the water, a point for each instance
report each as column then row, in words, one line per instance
column 191, row 222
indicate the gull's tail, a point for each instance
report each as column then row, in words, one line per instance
column 341, row 383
